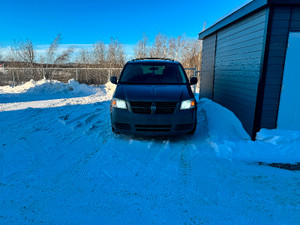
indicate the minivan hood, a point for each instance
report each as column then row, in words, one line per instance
column 158, row 93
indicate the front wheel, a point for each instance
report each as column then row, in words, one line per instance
column 114, row 130
column 194, row 129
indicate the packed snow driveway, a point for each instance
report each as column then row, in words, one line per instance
column 61, row 164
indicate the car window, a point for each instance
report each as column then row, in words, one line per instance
column 153, row 73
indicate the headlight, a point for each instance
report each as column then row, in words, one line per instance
column 188, row 104
column 118, row 103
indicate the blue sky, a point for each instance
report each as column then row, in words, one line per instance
column 85, row 22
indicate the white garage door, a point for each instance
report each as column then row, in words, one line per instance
column 289, row 108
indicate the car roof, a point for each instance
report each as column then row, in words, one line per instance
column 154, row 60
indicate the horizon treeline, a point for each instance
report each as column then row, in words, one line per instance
column 101, row 55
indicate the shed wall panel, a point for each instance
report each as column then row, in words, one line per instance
column 238, row 62
column 285, row 20
column 208, row 67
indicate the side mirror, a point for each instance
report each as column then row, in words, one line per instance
column 193, row 80
column 114, row 80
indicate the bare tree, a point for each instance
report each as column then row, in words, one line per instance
column 64, row 56
column 52, row 57
column 55, row 59
column 192, row 53
column 99, row 54
column 1, row 53
column 42, row 59
column 52, row 49
column 180, row 43
column 120, row 55
column 159, row 48
column 11, row 57
column 84, row 57
column 175, row 47
column 24, row 51
column 141, row 49
column 115, row 54
column 181, row 48
column 172, row 47
column 94, row 56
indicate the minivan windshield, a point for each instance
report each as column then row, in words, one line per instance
column 153, row 73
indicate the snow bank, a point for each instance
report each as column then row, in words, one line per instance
column 229, row 140
column 49, row 94
column 8, row 89
column 279, row 137
column 110, row 88
column 49, row 87
column 285, row 144
column 222, row 123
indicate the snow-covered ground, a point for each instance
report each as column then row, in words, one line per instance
column 61, row 164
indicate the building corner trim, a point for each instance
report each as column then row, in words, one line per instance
column 262, row 78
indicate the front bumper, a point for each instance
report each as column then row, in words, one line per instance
column 178, row 123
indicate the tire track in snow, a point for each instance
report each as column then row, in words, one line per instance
column 93, row 127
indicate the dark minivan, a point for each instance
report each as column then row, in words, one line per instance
column 153, row 98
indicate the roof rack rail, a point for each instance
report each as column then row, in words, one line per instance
column 155, row 58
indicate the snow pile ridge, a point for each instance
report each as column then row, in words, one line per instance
column 279, row 136
column 51, row 93
column 45, row 86
column 82, row 88
column 229, row 140
column 57, row 87
column 222, row 123
column 49, row 87
column 110, row 88
column 8, row 89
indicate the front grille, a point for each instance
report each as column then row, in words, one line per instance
column 155, row 128
column 184, row 127
column 123, row 126
column 147, row 107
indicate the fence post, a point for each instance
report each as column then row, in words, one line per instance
column 109, row 74
column 14, row 78
column 76, row 76
column 44, row 77
column 195, row 75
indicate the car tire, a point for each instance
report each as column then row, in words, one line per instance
column 194, row 129
column 114, row 130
